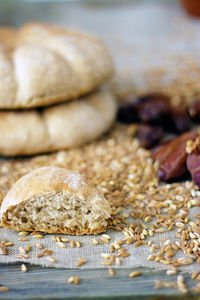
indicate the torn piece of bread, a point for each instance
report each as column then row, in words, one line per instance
column 55, row 200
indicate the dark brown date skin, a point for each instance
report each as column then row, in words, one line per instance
column 172, row 157
column 152, row 108
column 127, row 114
column 177, row 121
column 193, row 165
column 157, row 152
column 194, row 111
column 148, row 135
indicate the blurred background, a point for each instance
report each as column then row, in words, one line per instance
column 152, row 42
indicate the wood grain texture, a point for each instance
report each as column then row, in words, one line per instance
column 49, row 283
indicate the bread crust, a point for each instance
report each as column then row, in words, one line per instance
column 57, row 127
column 47, row 180
column 45, row 64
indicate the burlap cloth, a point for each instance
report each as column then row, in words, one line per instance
column 142, row 36
column 68, row 257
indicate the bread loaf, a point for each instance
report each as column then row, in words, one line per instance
column 57, row 127
column 42, row 64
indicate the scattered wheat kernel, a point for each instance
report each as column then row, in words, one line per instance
column 23, row 239
column 106, row 236
column 138, row 243
column 198, row 277
column 78, row 244
column 116, row 246
column 51, row 259
column 24, row 268
column 64, row 240
column 39, row 246
column 135, row 274
column 71, row 279
column 76, row 280
column 95, row 241
column 104, row 240
column 25, row 256
column 130, row 240
column 28, row 248
column 58, row 238
column 180, row 284
column 61, row 245
column 9, row 244
column 38, row 236
column 72, row 244
column 4, row 289
column 151, row 257
column 151, row 233
column 22, row 250
column 194, row 274
column 118, row 261
column 81, row 261
column 147, row 219
column 23, row 233
column 124, row 254
column 171, row 272
column 105, row 255
column 111, row 271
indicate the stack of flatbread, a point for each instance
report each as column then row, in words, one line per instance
column 51, row 94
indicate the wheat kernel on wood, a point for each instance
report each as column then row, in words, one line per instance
column 111, row 271
column 194, row 274
column 76, row 280
column 71, row 279
column 135, row 274
column 24, row 268
column 171, row 272
column 4, row 289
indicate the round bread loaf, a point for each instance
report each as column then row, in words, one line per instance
column 42, row 64
column 57, row 127
column 55, row 200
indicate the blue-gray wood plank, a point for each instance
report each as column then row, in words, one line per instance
column 49, row 283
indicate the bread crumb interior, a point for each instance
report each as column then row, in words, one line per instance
column 56, row 211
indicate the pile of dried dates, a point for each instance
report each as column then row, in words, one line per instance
column 155, row 116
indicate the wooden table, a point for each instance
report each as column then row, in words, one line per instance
column 49, row 283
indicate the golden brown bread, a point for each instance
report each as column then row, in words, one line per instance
column 42, row 64
column 55, row 200
column 57, row 127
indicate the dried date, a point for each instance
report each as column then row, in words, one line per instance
column 194, row 111
column 172, row 157
column 127, row 114
column 152, row 108
column 193, row 165
column 149, row 136
column 179, row 120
